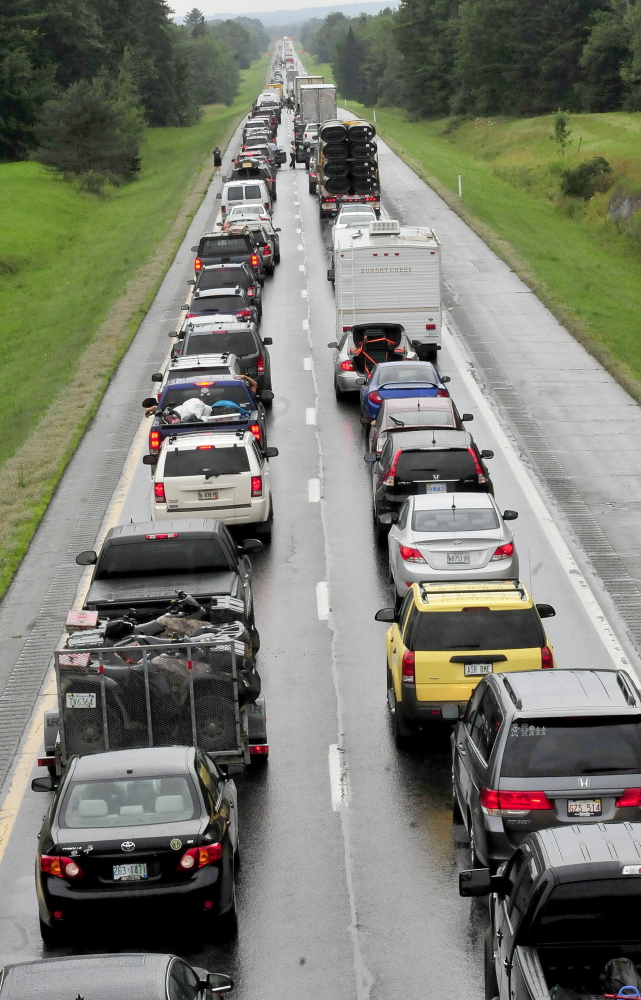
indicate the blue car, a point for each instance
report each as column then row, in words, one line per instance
column 393, row 379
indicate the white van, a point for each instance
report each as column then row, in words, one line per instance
column 249, row 192
column 214, row 474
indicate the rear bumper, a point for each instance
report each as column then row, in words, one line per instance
column 346, row 381
column 255, row 512
column 426, row 713
column 405, row 574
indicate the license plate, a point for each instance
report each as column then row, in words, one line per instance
column 477, row 669
column 458, row 558
column 435, row 488
column 208, row 494
column 129, row 873
column 584, row 807
column 75, row 700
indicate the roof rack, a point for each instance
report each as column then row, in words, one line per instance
column 474, row 585
column 510, row 690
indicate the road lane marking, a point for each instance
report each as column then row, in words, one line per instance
column 301, row 267
column 299, row 230
column 322, row 600
column 305, row 324
column 337, row 782
column 300, row 247
column 303, row 292
column 297, row 216
column 313, row 490
column 310, row 415
column 307, row 364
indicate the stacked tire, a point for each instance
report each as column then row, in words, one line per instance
column 349, row 158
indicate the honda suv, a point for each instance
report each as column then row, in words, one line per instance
column 535, row 750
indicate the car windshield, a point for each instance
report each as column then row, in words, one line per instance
column 216, row 304
column 247, row 212
column 554, row 748
column 218, row 246
column 239, row 342
column 209, row 394
column 455, row 519
column 153, row 556
column 135, row 802
column 477, row 628
column 398, row 372
column 419, row 418
column 206, row 459
column 423, row 466
column 224, row 278
column 592, row 911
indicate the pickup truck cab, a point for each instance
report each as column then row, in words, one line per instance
column 563, row 906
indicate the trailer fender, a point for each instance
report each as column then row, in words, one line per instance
column 51, row 731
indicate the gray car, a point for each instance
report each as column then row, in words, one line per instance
column 450, row 536
column 545, row 748
column 347, row 371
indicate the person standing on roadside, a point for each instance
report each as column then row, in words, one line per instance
column 292, row 155
column 218, row 158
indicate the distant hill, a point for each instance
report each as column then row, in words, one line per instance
column 306, row 13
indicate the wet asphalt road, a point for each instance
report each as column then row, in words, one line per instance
column 360, row 900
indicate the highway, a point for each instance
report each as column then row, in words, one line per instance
column 350, row 860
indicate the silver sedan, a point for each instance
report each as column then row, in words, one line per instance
column 450, row 536
column 346, row 374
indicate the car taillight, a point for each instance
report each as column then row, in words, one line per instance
column 255, row 429
column 374, row 397
column 266, row 251
column 198, row 264
column 346, row 329
column 260, row 363
column 251, row 291
column 631, row 799
column 508, row 803
column 223, row 209
column 547, row 660
column 199, row 857
column 391, row 475
column 504, row 552
column 159, row 492
column 442, row 393
column 347, row 366
column 267, row 206
column 430, row 326
column 482, row 478
column 254, row 261
column 410, row 555
column 191, row 315
column 60, row 867
column 154, row 442
column 244, row 313
column 257, row 486
column 407, row 667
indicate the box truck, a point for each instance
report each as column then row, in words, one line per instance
column 304, row 81
column 318, row 102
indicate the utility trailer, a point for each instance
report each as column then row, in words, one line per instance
column 121, row 697
column 347, row 166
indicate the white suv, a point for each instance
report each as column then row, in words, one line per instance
column 214, row 475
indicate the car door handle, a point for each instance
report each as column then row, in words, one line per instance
column 393, row 650
column 499, row 936
column 506, row 963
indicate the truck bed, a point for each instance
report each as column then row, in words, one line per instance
column 111, row 597
column 580, row 967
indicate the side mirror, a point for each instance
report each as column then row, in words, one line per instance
column 361, row 381
column 387, row 518
column 445, row 378
column 330, row 274
column 219, row 195
column 252, row 545
column 191, row 281
column 225, row 179
column 157, row 377
column 184, row 308
column 467, row 416
column 277, row 229
column 333, row 344
column 271, row 452
column 43, row 784
column 150, row 459
column 216, row 981
column 267, row 341
column 172, row 333
column 370, row 457
column 546, row 611
column 510, row 515
column 479, row 882
column 149, row 401
column 487, row 454
column 86, row 558
column 386, row 615
column 266, row 394
column 235, row 770
column 194, row 249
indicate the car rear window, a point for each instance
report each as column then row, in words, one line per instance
column 224, row 278
column 477, row 628
column 554, row 748
column 240, row 342
column 455, row 519
column 135, row 802
column 398, row 372
column 592, row 911
column 416, row 466
column 211, row 394
column 419, row 418
column 219, row 304
column 218, row 461
column 218, row 246
column 235, row 194
column 165, row 555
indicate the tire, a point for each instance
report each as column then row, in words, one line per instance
column 475, row 861
column 457, row 815
column 380, row 534
column 264, row 528
column 432, row 355
column 227, row 923
column 277, row 258
column 491, row 984
column 340, row 395
column 403, row 732
column 52, row 937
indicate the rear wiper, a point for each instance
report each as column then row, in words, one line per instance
column 464, row 645
column 399, row 423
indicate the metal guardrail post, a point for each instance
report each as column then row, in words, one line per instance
column 150, row 727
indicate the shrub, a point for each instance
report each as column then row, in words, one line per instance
column 586, row 179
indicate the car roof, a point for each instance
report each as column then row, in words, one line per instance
column 222, row 379
column 571, row 691
column 442, row 501
column 109, row 977
column 190, row 442
column 201, row 361
column 203, row 527
column 213, row 293
column 146, row 760
column 580, row 848
column 217, row 232
column 198, row 323
column 429, row 439
column 394, row 404
column 238, row 266
column 503, row 594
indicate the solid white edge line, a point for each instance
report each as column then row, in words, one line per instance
column 313, row 490
column 322, row 600
column 310, row 415
column 336, row 776
column 568, row 563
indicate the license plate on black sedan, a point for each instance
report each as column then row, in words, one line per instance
column 584, row 808
column 130, row 873
column 477, row 669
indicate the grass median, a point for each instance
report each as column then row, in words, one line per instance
column 77, row 274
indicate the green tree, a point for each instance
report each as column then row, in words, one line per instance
column 631, row 71
column 216, row 76
column 347, row 65
column 562, row 132
column 424, row 31
column 605, row 55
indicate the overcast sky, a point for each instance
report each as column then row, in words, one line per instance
column 214, row 8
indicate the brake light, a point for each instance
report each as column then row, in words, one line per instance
column 154, row 442
column 410, row 555
column 253, row 260
column 259, row 749
column 191, row 315
column 547, row 660
column 159, row 492
column 347, row 366
column 346, row 329
column 442, row 393
column 482, row 478
column 257, row 486
column 199, row 857
column 260, row 363
column 255, row 429
column 375, row 397
column 244, row 314
column 430, row 326
column 156, row 538
column 503, row 552
column 508, row 803
column 391, row 475
column 223, row 209
column 60, row 867
column 198, row 264
column 631, row 799
column 267, row 206
column 251, row 291
column 205, row 447
column 407, row 667
column 266, row 251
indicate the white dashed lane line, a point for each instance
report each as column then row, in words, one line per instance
column 313, row 490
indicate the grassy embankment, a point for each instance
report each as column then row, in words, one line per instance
column 77, row 274
column 584, row 266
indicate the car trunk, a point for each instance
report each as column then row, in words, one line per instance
column 208, row 480
column 420, row 472
column 471, row 551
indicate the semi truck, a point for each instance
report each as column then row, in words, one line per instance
column 388, row 273
column 304, row 81
column 347, row 166
column 318, row 102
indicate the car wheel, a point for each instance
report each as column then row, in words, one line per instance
column 227, row 924
column 474, row 858
column 264, row 529
column 380, row 533
column 491, row 984
column 403, row 732
column 340, row 395
column 457, row 815
column 277, row 258
column 431, row 354
column 52, row 937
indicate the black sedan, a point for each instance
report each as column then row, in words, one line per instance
column 112, row 977
column 150, row 829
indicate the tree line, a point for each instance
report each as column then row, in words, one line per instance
column 487, row 57
column 81, row 79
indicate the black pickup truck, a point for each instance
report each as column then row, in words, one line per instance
column 561, row 909
column 236, row 246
